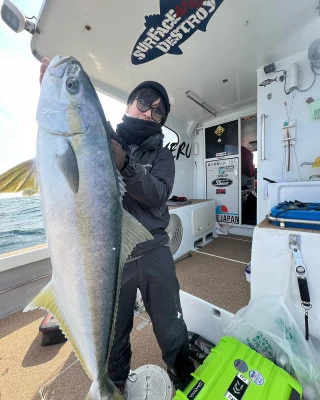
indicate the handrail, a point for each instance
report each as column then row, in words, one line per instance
column 263, row 136
column 284, row 221
column 24, row 283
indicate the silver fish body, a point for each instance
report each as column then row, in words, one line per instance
column 89, row 234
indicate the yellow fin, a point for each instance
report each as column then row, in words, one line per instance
column 133, row 232
column 316, row 162
column 49, row 300
column 21, row 177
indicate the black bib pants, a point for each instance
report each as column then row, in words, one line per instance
column 154, row 274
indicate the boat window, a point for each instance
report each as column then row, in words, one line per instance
column 113, row 109
column 222, row 140
column 170, row 136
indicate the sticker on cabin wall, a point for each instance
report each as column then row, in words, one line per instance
column 222, row 182
column 179, row 149
column 165, row 32
column 219, row 131
column 223, row 215
column 220, row 191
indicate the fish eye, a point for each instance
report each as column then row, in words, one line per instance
column 72, row 85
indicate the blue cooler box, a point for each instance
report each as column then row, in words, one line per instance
column 299, row 211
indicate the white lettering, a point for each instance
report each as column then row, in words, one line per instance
column 201, row 13
column 149, row 42
column 176, row 34
column 170, row 21
column 192, row 19
column 185, row 30
column 139, row 55
column 172, row 16
column 210, row 3
column 150, row 33
column 163, row 46
column 171, row 41
column 142, row 47
column 161, row 31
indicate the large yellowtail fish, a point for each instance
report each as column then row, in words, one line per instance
column 89, row 234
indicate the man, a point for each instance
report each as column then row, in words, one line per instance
column 148, row 171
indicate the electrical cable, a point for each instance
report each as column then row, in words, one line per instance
column 313, row 70
column 314, row 79
column 287, row 92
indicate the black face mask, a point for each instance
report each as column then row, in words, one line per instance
column 136, row 131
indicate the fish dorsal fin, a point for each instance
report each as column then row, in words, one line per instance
column 68, row 165
column 22, row 177
column 133, row 232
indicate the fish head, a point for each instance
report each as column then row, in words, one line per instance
column 68, row 103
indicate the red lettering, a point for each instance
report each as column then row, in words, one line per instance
column 182, row 9
column 195, row 3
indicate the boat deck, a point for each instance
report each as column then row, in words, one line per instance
column 215, row 273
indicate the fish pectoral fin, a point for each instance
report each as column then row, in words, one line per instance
column 68, row 165
column 22, row 177
column 133, row 232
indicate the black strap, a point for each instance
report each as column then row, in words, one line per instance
column 304, row 291
column 305, row 301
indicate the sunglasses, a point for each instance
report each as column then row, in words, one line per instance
column 143, row 106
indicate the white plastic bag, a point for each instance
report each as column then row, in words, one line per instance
column 267, row 326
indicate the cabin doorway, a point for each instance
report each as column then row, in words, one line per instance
column 248, row 150
column 231, row 170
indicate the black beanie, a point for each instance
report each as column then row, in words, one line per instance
column 158, row 88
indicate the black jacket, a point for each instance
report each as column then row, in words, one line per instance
column 149, row 177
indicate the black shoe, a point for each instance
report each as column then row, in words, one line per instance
column 121, row 387
column 181, row 385
column 181, row 380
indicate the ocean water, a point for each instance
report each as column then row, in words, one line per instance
column 21, row 223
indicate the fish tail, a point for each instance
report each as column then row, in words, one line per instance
column 104, row 389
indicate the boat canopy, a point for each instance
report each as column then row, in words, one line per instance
column 205, row 49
